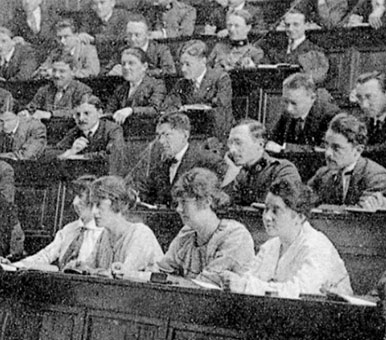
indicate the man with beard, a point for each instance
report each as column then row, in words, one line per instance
column 348, row 178
column 175, row 156
column 94, row 138
column 58, row 100
column 258, row 171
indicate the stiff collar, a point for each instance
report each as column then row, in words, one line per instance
column 91, row 132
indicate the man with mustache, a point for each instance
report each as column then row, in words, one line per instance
column 348, row 178
column 94, row 138
column 370, row 91
column 58, row 100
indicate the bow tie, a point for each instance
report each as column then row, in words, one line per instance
column 170, row 161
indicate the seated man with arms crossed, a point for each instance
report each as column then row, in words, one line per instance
column 76, row 241
column 93, row 138
column 297, row 259
column 58, row 99
column 124, row 247
column 348, row 178
column 246, row 144
column 177, row 155
column 20, row 137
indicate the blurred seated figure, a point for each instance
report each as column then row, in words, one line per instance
column 348, row 178
column 370, row 92
column 137, row 35
column 176, row 156
column 326, row 13
column 211, row 88
column 171, row 19
column 7, row 182
column 17, row 61
column 305, row 118
column 236, row 52
column 141, row 95
column 371, row 11
column 85, row 55
column 206, row 245
column 298, row 50
column 217, row 19
column 258, row 171
column 124, row 247
column 94, row 138
column 76, row 240
column 21, row 138
column 297, row 259
column 34, row 23
column 58, row 99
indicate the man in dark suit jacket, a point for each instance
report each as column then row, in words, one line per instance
column 306, row 117
column 58, row 99
column 137, row 35
column 298, row 50
column 258, row 170
column 176, row 156
column 34, row 23
column 17, row 62
column 201, row 85
column 21, row 137
column 94, row 138
column 348, row 178
column 370, row 93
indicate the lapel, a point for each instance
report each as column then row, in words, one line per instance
column 20, row 134
column 98, row 135
column 355, row 185
column 66, row 98
column 8, row 71
column 143, row 87
column 205, row 85
column 186, row 163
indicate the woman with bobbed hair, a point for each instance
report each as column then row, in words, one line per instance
column 297, row 259
column 206, row 245
column 124, row 247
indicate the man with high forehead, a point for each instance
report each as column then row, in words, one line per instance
column 371, row 95
column 175, row 156
column 299, row 50
column 348, row 178
column 246, row 144
column 138, row 35
column 305, row 118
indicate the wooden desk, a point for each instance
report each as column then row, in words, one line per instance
column 55, row 306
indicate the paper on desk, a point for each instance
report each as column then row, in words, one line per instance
column 358, row 301
column 201, row 107
column 8, row 267
column 35, row 266
column 205, row 284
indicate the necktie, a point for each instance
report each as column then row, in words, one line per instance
column 291, row 46
column 58, row 97
column 171, row 166
column 299, row 125
column 73, row 249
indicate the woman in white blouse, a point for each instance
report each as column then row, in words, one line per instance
column 297, row 259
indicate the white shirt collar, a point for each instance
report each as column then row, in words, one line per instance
column 107, row 18
column 9, row 55
column 238, row 8
column 350, row 167
column 92, row 130
column 181, row 153
column 145, row 47
column 17, row 125
column 89, row 225
column 296, row 42
column 199, row 79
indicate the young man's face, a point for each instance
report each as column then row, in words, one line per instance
column 6, row 44
column 8, row 121
column 137, row 34
column 67, row 38
column 191, row 66
column 371, row 98
column 86, row 116
column 61, row 74
column 103, row 8
column 171, row 140
column 298, row 102
column 295, row 25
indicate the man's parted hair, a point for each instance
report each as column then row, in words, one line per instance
column 66, row 23
column 351, row 127
column 177, row 121
column 137, row 17
column 256, row 128
column 378, row 76
column 195, row 48
column 66, row 59
column 299, row 80
column 82, row 185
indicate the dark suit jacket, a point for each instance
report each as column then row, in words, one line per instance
column 155, row 186
column 367, row 176
column 376, row 134
column 308, row 55
column 29, row 140
column 22, row 64
column 252, row 184
column 315, row 125
column 215, row 90
column 45, row 97
column 145, row 101
column 329, row 15
column 106, row 144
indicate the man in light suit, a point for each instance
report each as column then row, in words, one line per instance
column 21, row 138
column 85, row 55
column 348, row 178
column 94, row 138
column 171, row 19
column 202, row 85
column 58, row 99
column 137, row 35
column 175, row 156
column 17, row 62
